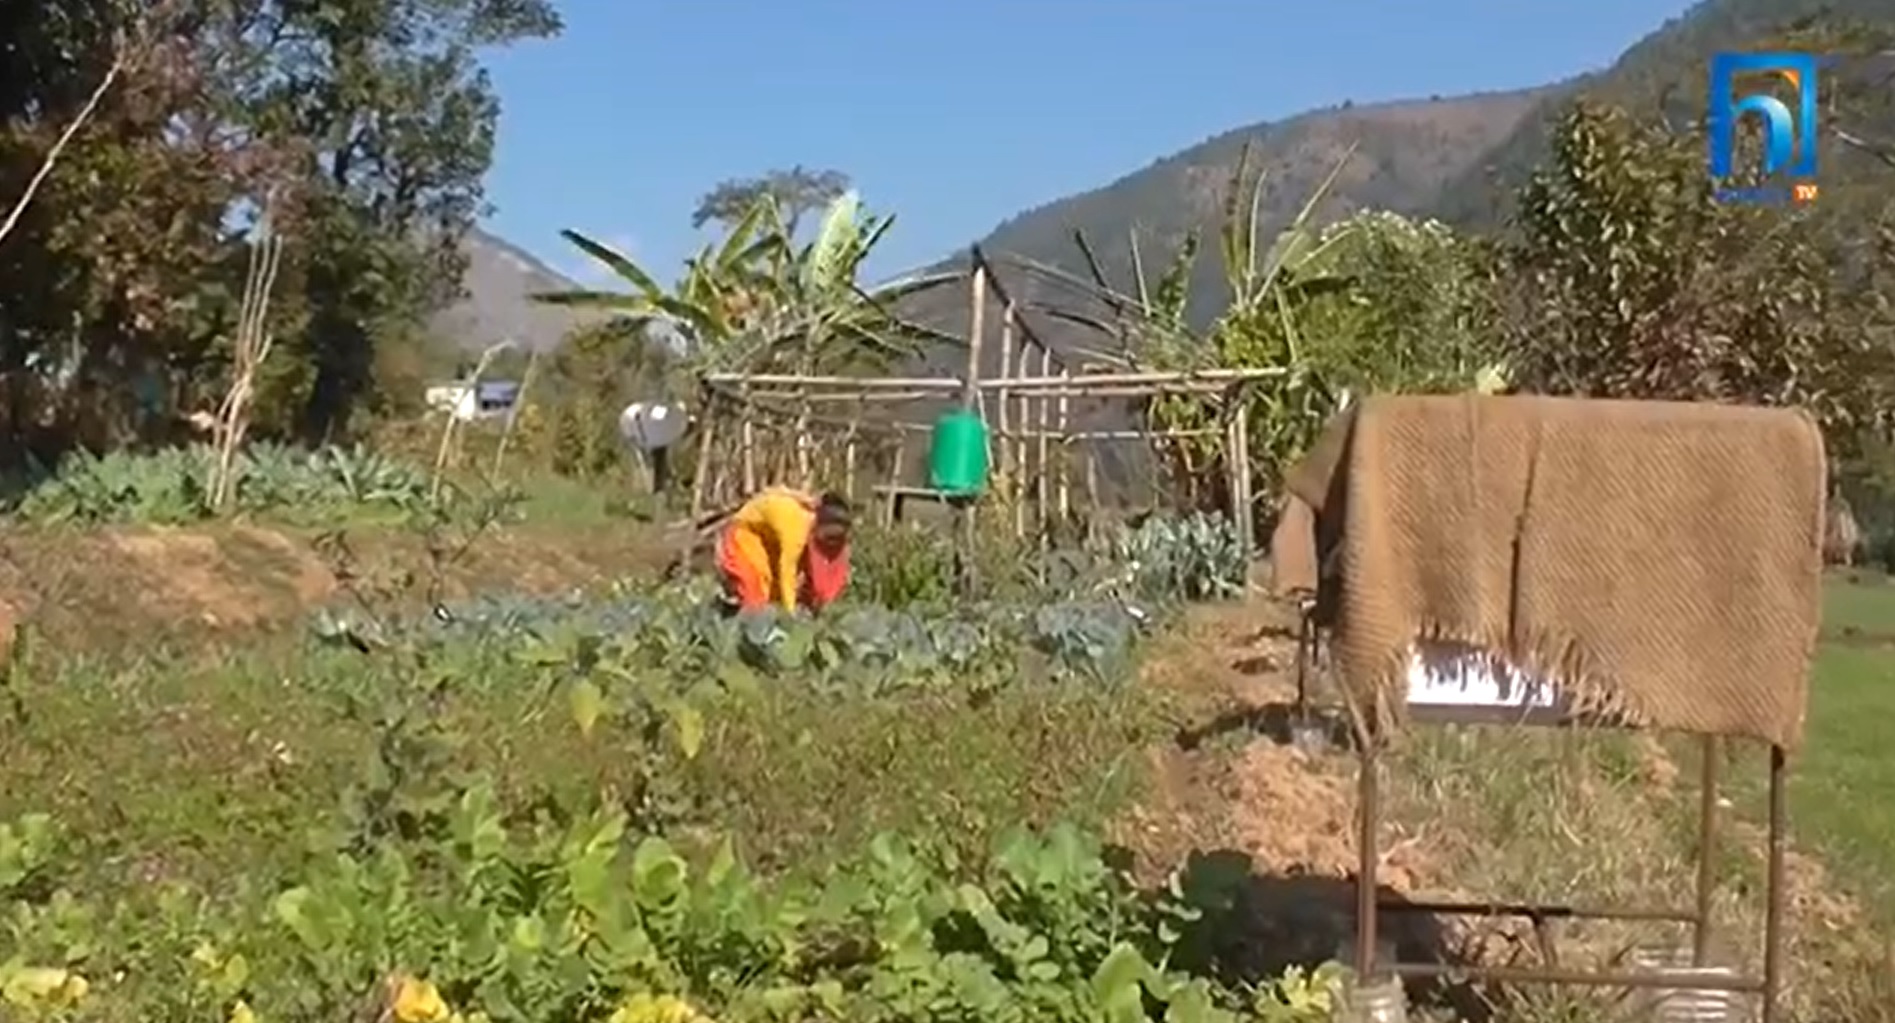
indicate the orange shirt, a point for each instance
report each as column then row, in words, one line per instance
column 770, row 533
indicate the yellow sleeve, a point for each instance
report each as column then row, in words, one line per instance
column 785, row 522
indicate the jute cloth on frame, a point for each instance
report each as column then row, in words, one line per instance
column 1661, row 562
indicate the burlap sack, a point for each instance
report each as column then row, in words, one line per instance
column 1294, row 566
column 1660, row 561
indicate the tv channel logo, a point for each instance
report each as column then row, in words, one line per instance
column 1789, row 137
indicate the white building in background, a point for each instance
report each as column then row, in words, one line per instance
column 467, row 402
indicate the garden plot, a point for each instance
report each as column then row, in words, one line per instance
column 531, row 810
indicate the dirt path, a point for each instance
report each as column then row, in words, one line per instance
column 1231, row 789
column 1235, row 805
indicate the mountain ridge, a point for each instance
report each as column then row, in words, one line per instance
column 1458, row 159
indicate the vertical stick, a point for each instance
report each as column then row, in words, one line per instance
column 1065, row 447
column 1003, row 411
column 701, row 468
column 1234, row 491
column 513, row 414
column 970, row 401
column 1043, row 424
column 747, row 438
column 1707, row 851
column 802, row 439
column 1247, row 505
column 976, row 326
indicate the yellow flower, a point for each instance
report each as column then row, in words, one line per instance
column 240, row 1013
column 43, row 985
column 417, row 1001
column 648, row 1008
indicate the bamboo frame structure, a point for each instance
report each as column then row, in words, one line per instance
column 848, row 433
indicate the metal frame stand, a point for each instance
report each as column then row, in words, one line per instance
column 1369, row 907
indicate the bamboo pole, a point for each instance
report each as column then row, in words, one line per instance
column 977, row 323
column 849, row 455
column 1041, row 481
column 802, row 441
column 747, row 438
column 970, row 401
column 1247, row 505
column 792, row 381
column 701, row 468
column 1018, row 448
column 765, row 381
column 254, row 342
column 1003, row 412
column 1064, row 412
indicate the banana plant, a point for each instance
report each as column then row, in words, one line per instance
column 822, row 319
column 756, row 302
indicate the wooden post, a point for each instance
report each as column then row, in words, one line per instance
column 1002, row 444
column 1247, row 505
column 1065, row 410
column 970, row 401
column 802, row 440
column 747, row 438
column 848, row 456
column 701, row 469
column 1023, row 415
column 1233, row 469
column 976, row 326
column 1042, row 447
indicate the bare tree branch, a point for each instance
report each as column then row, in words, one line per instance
column 1884, row 153
column 59, row 146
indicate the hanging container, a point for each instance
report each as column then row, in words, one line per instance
column 957, row 455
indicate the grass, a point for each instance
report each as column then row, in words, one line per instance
column 1860, row 601
column 1840, row 791
column 1610, row 819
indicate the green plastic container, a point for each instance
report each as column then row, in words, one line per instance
column 957, row 456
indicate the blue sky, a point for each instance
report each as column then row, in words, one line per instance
column 957, row 115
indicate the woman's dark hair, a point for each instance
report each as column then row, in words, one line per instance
column 833, row 510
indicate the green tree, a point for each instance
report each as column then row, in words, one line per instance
column 1418, row 312
column 797, row 192
column 1630, row 280
column 366, row 127
column 108, row 283
column 399, row 118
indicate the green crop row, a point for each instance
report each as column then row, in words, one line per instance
column 479, row 917
column 174, row 485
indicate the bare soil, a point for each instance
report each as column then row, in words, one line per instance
column 108, row 589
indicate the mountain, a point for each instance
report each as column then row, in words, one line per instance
column 1458, row 159
column 1663, row 72
column 500, row 279
column 1405, row 154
